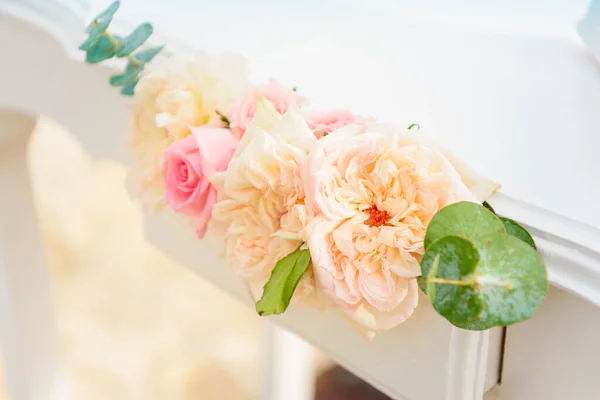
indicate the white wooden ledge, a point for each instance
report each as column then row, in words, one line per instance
column 521, row 107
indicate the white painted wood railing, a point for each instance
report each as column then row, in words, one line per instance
column 520, row 106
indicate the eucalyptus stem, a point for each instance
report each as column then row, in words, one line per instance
column 443, row 281
column 130, row 57
column 476, row 283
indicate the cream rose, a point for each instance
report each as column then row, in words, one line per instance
column 170, row 99
column 260, row 199
column 372, row 194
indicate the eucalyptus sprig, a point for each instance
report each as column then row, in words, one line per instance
column 480, row 270
column 102, row 45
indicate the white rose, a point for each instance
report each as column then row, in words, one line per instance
column 257, row 192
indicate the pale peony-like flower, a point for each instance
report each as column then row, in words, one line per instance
column 243, row 110
column 169, row 99
column 260, row 207
column 372, row 193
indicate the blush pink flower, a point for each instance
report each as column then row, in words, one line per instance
column 372, row 194
column 243, row 110
column 187, row 165
column 326, row 122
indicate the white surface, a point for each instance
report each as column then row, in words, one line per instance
column 222, row 21
column 554, row 356
column 522, row 108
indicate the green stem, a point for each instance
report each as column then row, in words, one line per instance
column 223, row 118
column 131, row 58
column 476, row 282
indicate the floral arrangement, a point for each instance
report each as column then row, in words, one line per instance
column 325, row 209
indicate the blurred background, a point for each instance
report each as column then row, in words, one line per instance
column 133, row 324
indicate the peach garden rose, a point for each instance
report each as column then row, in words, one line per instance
column 371, row 194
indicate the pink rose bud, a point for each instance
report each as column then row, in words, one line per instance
column 322, row 123
column 243, row 110
column 187, row 165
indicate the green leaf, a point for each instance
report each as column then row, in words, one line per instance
column 110, row 11
column 279, row 289
column 98, row 26
column 95, row 33
column 494, row 280
column 489, row 206
column 102, row 20
column 120, row 80
column 135, row 39
column 148, row 54
column 131, row 73
column 129, row 88
column 102, row 50
column 414, row 126
column 429, row 283
column 465, row 219
column 516, row 230
column 457, row 259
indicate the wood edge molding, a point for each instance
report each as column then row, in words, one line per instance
column 342, row 360
column 61, row 20
column 467, row 364
column 65, row 21
column 571, row 249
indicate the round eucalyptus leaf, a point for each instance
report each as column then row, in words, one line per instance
column 494, row 280
column 516, row 230
column 458, row 260
column 464, row 219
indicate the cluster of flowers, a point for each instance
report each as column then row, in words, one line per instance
column 270, row 177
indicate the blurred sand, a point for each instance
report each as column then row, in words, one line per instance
column 133, row 324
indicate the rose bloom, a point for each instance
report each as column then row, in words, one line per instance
column 260, row 208
column 187, row 165
column 325, row 122
column 372, row 194
column 243, row 110
column 169, row 99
